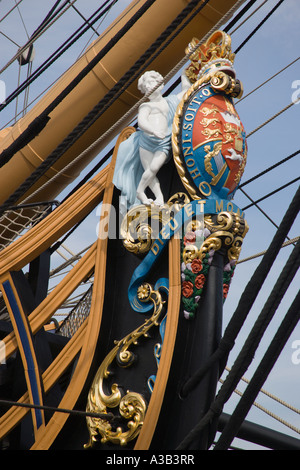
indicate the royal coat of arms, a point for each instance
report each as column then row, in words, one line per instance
column 209, row 140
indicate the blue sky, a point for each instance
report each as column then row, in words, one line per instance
column 273, row 47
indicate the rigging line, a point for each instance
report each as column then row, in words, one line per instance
column 271, row 193
column 290, row 242
column 22, row 20
column 249, row 16
column 270, row 168
column 273, row 117
column 261, row 324
column 31, row 41
column 16, row 106
column 72, row 230
column 85, row 20
column 271, row 395
column 26, row 94
column 7, row 37
column 229, row 13
column 260, row 209
column 192, row 51
column 49, row 86
column 239, row 15
column 268, row 80
column 247, row 353
column 104, row 103
column 268, row 412
column 232, row 23
column 103, row 35
column 259, row 26
column 54, row 56
column 50, row 15
column 105, row 416
column 250, row 292
column 263, row 370
column 12, row 9
column 40, row 121
column 171, row 88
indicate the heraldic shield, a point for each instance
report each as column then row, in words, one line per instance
column 209, row 144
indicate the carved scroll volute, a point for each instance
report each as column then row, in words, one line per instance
column 132, row 406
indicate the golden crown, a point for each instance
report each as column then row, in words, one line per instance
column 215, row 54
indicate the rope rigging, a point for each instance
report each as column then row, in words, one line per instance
column 36, row 36
column 258, row 26
column 99, row 13
column 272, row 193
column 250, row 293
column 261, row 253
column 246, row 354
column 272, row 167
column 273, row 397
column 283, row 333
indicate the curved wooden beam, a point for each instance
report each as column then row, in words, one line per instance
column 79, row 377
column 148, row 428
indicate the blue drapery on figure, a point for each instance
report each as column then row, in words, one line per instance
column 129, row 169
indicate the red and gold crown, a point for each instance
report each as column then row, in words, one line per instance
column 214, row 55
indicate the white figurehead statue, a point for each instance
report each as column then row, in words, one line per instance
column 142, row 155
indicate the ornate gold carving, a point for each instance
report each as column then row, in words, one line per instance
column 142, row 223
column 207, row 111
column 207, row 122
column 215, row 52
column 175, row 141
column 132, row 406
column 212, row 133
column 227, row 232
column 223, row 82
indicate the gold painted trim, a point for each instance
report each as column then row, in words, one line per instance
column 46, row 309
column 23, row 354
column 36, row 240
column 146, row 434
column 175, row 133
column 14, row 415
column 218, row 81
column 80, row 374
column 132, row 405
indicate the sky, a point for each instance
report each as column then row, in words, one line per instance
column 271, row 49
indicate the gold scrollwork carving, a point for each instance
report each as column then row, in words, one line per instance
column 142, row 223
column 132, row 406
column 227, row 231
column 223, row 82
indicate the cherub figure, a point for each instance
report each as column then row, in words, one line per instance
column 142, row 155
